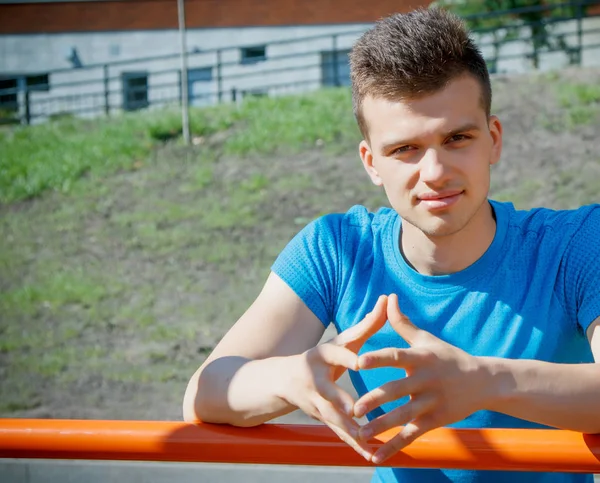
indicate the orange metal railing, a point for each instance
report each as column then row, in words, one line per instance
column 490, row 449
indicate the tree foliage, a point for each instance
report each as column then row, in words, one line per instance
column 505, row 19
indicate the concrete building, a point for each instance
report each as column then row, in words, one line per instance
column 93, row 57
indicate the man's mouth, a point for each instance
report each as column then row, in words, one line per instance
column 441, row 200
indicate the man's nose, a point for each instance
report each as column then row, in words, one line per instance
column 432, row 168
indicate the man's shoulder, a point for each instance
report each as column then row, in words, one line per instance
column 546, row 221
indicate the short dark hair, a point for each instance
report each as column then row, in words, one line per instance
column 412, row 55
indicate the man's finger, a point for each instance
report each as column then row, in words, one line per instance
column 413, row 409
column 409, row 433
column 400, row 322
column 344, row 426
column 336, row 356
column 361, row 448
column 330, row 415
column 390, row 357
column 338, row 397
column 388, row 392
column 372, row 322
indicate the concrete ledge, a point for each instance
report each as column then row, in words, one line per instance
column 67, row 471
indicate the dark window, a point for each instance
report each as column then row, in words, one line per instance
column 9, row 105
column 8, row 95
column 255, row 93
column 10, row 85
column 135, row 90
column 335, row 68
column 252, row 55
column 200, row 86
column 38, row 82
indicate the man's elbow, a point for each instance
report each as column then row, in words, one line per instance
column 203, row 406
column 189, row 401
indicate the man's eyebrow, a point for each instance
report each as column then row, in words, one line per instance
column 471, row 126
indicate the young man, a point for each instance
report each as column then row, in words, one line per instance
column 493, row 313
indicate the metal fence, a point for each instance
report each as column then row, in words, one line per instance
column 541, row 37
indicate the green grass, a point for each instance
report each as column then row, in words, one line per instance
column 579, row 105
column 58, row 290
column 54, row 155
column 289, row 124
column 23, row 398
column 521, row 193
column 69, row 305
column 574, row 188
column 571, row 95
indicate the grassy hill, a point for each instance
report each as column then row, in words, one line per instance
column 125, row 256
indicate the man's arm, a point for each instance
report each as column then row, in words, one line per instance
column 240, row 381
column 269, row 364
column 446, row 385
column 566, row 396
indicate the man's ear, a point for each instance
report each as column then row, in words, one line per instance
column 496, row 133
column 367, row 159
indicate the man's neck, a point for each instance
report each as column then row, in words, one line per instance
column 442, row 255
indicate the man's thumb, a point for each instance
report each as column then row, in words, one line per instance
column 357, row 335
column 400, row 322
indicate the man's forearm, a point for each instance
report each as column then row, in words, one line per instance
column 237, row 391
column 565, row 396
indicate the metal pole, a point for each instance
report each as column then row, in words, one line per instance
column 579, row 33
column 106, row 92
column 27, row 106
column 219, row 78
column 310, row 444
column 185, row 115
column 336, row 74
column 180, row 85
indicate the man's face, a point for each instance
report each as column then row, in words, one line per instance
column 433, row 155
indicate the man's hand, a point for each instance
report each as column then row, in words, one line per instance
column 445, row 384
column 311, row 385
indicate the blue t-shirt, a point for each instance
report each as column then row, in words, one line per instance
column 531, row 295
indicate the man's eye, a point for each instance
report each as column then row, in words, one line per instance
column 458, row 137
column 402, row 149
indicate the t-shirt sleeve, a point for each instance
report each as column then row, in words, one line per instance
column 309, row 264
column 581, row 271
